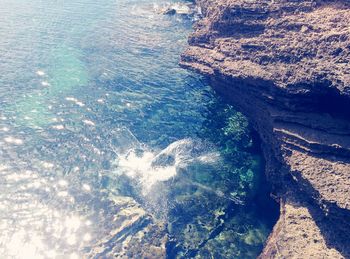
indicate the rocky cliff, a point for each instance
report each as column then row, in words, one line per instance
column 285, row 64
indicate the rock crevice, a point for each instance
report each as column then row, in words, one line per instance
column 285, row 64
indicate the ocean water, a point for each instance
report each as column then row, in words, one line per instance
column 109, row 149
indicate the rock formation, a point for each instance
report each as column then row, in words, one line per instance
column 285, row 64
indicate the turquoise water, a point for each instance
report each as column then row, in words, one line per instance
column 109, row 148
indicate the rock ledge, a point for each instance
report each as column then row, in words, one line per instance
column 285, row 64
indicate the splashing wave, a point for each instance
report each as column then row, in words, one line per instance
column 149, row 168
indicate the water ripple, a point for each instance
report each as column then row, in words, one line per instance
column 93, row 107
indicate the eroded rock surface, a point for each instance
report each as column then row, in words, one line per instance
column 285, row 64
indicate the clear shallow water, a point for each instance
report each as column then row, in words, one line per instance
column 107, row 147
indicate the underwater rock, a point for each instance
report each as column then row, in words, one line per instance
column 213, row 229
column 187, row 186
column 135, row 234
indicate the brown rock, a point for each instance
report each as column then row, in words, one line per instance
column 285, row 64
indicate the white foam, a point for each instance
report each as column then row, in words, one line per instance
column 140, row 167
column 150, row 167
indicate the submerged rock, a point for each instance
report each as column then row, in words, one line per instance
column 135, row 234
column 179, row 8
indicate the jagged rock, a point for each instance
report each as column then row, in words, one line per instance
column 169, row 11
column 285, row 64
column 304, row 232
column 179, row 8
